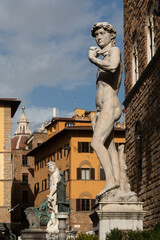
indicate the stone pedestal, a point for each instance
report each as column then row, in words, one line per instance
column 62, row 216
column 122, row 215
column 32, row 234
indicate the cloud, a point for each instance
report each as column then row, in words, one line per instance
column 46, row 42
column 37, row 116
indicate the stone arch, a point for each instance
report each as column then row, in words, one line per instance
column 83, row 194
column 85, row 162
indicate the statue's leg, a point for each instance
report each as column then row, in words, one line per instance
column 114, row 158
column 103, row 129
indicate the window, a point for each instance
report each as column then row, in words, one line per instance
column 69, row 124
column 84, row 204
column 24, row 177
column 45, row 162
column 36, row 188
column 60, row 152
column 42, row 185
column 41, row 163
column 48, row 181
column 38, row 165
column 86, row 173
column 84, row 147
column 45, row 184
column 24, row 160
column 102, row 174
column 53, row 156
column 135, row 72
column 25, row 196
column 151, row 48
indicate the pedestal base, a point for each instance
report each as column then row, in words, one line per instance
column 122, row 215
column 32, row 234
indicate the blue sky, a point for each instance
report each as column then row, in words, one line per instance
column 44, row 54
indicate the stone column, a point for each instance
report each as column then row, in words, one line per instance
column 62, row 216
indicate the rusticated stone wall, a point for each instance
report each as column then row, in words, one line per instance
column 142, row 104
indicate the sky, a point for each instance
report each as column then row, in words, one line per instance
column 44, row 54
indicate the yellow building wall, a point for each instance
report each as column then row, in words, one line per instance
column 1, row 156
column 83, row 160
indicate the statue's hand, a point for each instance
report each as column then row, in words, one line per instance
column 93, row 52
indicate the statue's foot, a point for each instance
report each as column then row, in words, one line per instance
column 107, row 189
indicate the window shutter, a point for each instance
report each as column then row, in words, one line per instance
column 78, row 173
column 77, row 204
column 91, row 149
column 68, row 174
column 92, row 173
column 93, row 201
column 79, row 147
column 102, row 174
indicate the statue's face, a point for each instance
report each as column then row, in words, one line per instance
column 103, row 38
column 52, row 167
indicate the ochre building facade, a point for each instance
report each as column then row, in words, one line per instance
column 142, row 103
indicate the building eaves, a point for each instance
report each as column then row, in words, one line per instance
column 62, row 119
column 71, row 128
column 13, row 103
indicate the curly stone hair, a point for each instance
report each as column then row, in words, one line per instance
column 107, row 27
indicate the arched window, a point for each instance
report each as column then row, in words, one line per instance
column 135, row 72
column 85, row 171
column 85, row 202
column 151, row 48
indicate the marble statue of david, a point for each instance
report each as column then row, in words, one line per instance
column 108, row 107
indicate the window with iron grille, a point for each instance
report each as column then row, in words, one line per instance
column 84, row 204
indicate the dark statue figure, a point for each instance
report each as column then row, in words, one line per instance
column 62, row 202
column 37, row 218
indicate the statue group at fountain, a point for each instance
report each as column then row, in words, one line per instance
column 57, row 203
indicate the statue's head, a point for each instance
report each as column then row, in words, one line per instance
column 52, row 166
column 105, row 26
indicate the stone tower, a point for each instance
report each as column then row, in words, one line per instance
column 142, row 102
column 23, row 124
